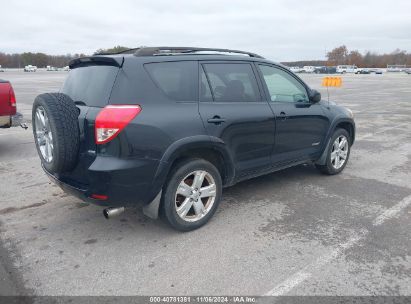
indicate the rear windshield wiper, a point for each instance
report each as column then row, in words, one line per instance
column 80, row 103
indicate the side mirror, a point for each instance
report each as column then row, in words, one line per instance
column 315, row 96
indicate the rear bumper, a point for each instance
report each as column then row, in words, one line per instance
column 80, row 193
column 124, row 182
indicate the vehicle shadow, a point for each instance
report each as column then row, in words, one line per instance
column 243, row 193
column 248, row 192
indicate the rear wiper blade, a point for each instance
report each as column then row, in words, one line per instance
column 80, row 103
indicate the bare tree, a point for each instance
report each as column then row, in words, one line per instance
column 338, row 55
column 355, row 58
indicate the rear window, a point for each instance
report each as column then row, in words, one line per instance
column 177, row 80
column 91, row 85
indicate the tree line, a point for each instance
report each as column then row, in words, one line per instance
column 42, row 60
column 38, row 59
column 342, row 56
column 338, row 56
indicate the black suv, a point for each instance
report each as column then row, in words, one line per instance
column 169, row 127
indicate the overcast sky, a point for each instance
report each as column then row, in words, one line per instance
column 280, row 30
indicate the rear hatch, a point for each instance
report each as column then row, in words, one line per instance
column 89, row 85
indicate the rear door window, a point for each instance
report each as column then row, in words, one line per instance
column 232, row 82
column 177, row 80
column 91, row 85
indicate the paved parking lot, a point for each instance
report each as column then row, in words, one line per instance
column 295, row 232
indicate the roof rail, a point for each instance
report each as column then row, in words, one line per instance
column 167, row 50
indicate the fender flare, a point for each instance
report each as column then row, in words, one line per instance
column 196, row 142
column 348, row 120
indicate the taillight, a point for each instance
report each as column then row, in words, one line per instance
column 112, row 119
column 12, row 97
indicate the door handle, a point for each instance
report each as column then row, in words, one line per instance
column 283, row 116
column 216, row 120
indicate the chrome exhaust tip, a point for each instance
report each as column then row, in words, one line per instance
column 110, row 212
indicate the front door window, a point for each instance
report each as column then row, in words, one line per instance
column 282, row 86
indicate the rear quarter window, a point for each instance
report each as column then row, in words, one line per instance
column 177, row 80
column 91, row 84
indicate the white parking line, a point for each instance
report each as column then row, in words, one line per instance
column 307, row 272
column 393, row 211
column 289, row 284
column 302, row 275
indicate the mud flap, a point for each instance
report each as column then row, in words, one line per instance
column 151, row 209
column 323, row 159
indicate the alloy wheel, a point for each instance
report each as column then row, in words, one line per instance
column 195, row 195
column 339, row 152
column 44, row 135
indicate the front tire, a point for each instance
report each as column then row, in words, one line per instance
column 338, row 153
column 191, row 195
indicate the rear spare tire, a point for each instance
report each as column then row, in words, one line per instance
column 56, row 131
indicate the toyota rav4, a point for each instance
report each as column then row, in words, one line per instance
column 167, row 128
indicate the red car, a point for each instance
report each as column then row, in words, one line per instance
column 7, row 104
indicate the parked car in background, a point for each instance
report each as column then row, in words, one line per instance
column 308, row 69
column 168, row 128
column 51, row 68
column 325, row 70
column 296, row 69
column 363, row 71
column 342, row 69
column 7, row 104
column 396, row 68
column 1, row 69
column 30, row 68
column 408, row 71
column 376, row 71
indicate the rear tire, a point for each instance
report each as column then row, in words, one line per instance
column 338, row 153
column 192, row 194
column 56, row 131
